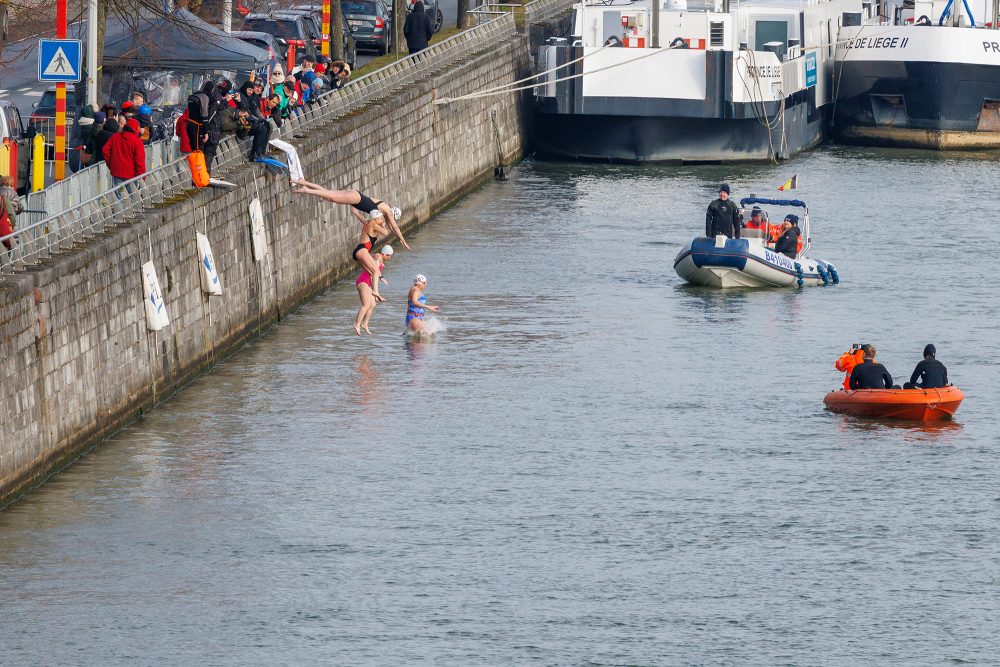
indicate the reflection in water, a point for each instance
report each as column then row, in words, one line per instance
column 936, row 433
column 368, row 394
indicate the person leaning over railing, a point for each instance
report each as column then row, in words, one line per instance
column 125, row 154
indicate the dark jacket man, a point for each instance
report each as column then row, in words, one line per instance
column 723, row 216
column 418, row 28
column 125, row 154
column 930, row 372
column 869, row 374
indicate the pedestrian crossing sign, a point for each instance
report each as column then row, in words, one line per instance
column 59, row 60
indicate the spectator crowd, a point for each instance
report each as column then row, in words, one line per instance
column 118, row 136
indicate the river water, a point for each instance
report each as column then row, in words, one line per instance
column 593, row 465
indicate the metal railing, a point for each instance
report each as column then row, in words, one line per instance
column 63, row 229
column 544, row 9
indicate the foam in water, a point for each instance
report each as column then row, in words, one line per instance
column 432, row 327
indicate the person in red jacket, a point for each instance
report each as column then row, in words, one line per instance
column 181, row 131
column 125, row 155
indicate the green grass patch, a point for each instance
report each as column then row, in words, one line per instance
column 389, row 58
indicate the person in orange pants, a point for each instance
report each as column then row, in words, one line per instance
column 847, row 361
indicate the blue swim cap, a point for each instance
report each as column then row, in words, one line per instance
column 145, row 110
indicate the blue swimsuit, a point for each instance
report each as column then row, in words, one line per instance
column 414, row 311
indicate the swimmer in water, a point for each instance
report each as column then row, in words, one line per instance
column 364, row 285
column 360, row 203
column 416, row 304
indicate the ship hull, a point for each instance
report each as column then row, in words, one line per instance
column 936, row 89
column 674, row 139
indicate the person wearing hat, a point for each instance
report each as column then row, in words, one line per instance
column 788, row 243
column 929, row 373
column 723, row 216
column 870, row 374
column 756, row 219
column 416, row 305
column 364, row 285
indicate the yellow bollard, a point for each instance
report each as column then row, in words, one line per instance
column 38, row 163
column 5, row 158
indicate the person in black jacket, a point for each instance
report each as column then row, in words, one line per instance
column 723, row 216
column 870, row 374
column 930, row 372
column 418, row 29
column 788, row 243
column 109, row 130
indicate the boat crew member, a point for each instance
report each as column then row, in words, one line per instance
column 788, row 243
column 930, row 372
column 870, row 374
column 756, row 219
column 723, row 216
column 847, row 361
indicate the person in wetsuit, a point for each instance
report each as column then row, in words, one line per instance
column 788, row 243
column 929, row 373
column 870, row 374
column 723, row 216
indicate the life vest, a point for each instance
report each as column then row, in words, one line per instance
column 846, row 363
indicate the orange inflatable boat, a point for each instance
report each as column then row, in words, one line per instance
column 926, row 405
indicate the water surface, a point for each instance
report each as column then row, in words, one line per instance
column 593, row 465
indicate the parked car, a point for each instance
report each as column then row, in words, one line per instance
column 43, row 115
column 277, row 49
column 372, row 22
column 313, row 15
column 293, row 29
column 12, row 127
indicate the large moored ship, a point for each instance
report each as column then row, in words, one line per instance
column 667, row 81
column 922, row 74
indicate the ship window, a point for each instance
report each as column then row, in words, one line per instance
column 716, row 33
column 829, row 39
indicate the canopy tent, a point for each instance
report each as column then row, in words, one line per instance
column 182, row 42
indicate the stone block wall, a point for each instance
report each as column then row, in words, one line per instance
column 77, row 360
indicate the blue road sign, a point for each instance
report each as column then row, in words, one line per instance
column 59, row 60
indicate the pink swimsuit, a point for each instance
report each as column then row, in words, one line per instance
column 366, row 277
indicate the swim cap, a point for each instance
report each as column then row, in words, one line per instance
column 375, row 215
column 387, row 250
column 420, row 279
column 145, row 110
column 930, row 350
column 396, row 213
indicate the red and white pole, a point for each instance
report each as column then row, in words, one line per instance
column 327, row 29
column 60, row 166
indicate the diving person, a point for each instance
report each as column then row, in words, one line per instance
column 870, row 374
column 723, row 216
column 847, row 361
column 788, row 243
column 930, row 372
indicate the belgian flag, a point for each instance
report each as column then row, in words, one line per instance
column 791, row 184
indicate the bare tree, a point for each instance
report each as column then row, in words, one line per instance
column 337, row 30
column 398, row 19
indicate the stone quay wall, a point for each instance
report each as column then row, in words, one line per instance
column 77, row 360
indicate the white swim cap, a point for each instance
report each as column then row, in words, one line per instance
column 396, row 213
column 387, row 250
column 375, row 215
column 420, row 279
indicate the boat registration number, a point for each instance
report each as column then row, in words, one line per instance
column 779, row 259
